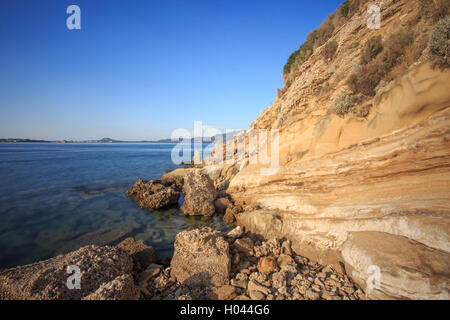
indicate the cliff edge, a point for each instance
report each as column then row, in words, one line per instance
column 363, row 161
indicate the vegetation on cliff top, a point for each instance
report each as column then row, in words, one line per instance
column 321, row 35
column 440, row 44
column 378, row 58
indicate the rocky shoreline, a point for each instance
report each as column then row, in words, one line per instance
column 206, row 264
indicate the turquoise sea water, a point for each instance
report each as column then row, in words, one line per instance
column 55, row 198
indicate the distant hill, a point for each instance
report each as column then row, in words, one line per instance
column 225, row 137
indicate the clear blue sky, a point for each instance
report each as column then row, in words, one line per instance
column 140, row 69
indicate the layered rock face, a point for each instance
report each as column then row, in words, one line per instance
column 386, row 173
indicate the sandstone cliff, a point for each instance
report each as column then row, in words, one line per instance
column 352, row 185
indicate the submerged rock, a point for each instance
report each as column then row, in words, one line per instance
column 153, row 194
column 49, row 279
column 201, row 258
column 199, row 194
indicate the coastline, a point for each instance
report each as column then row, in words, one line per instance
column 253, row 268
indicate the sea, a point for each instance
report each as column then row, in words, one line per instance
column 55, row 198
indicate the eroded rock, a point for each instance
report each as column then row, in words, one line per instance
column 142, row 254
column 153, row 194
column 201, row 258
column 121, row 288
column 47, row 280
column 199, row 194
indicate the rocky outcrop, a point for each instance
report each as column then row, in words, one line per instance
column 386, row 171
column 406, row 268
column 200, row 269
column 199, row 194
column 101, row 268
column 201, row 258
column 153, row 194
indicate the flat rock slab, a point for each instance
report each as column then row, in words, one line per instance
column 201, row 258
column 395, row 267
column 47, row 280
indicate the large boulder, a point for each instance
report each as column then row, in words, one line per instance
column 153, row 194
column 201, row 258
column 49, row 279
column 387, row 266
column 142, row 254
column 199, row 194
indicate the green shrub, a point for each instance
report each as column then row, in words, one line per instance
column 344, row 104
column 439, row 44
column 315, row 39
column 329, row 51
column 345, row 8
column 298, row 57
column 372, row 48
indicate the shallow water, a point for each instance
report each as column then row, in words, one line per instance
column 55, row 198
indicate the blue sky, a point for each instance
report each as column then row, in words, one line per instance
column 140, row 69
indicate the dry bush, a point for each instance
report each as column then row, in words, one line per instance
column 434, row 9
column 366, row 79
column 439, row 44
column 372, row 48
column 395, row 46
column 375, row 66
column 329, row 51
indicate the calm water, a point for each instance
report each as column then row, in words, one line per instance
column 55, row 198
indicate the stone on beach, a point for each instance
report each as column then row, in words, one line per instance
column 267, row 265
